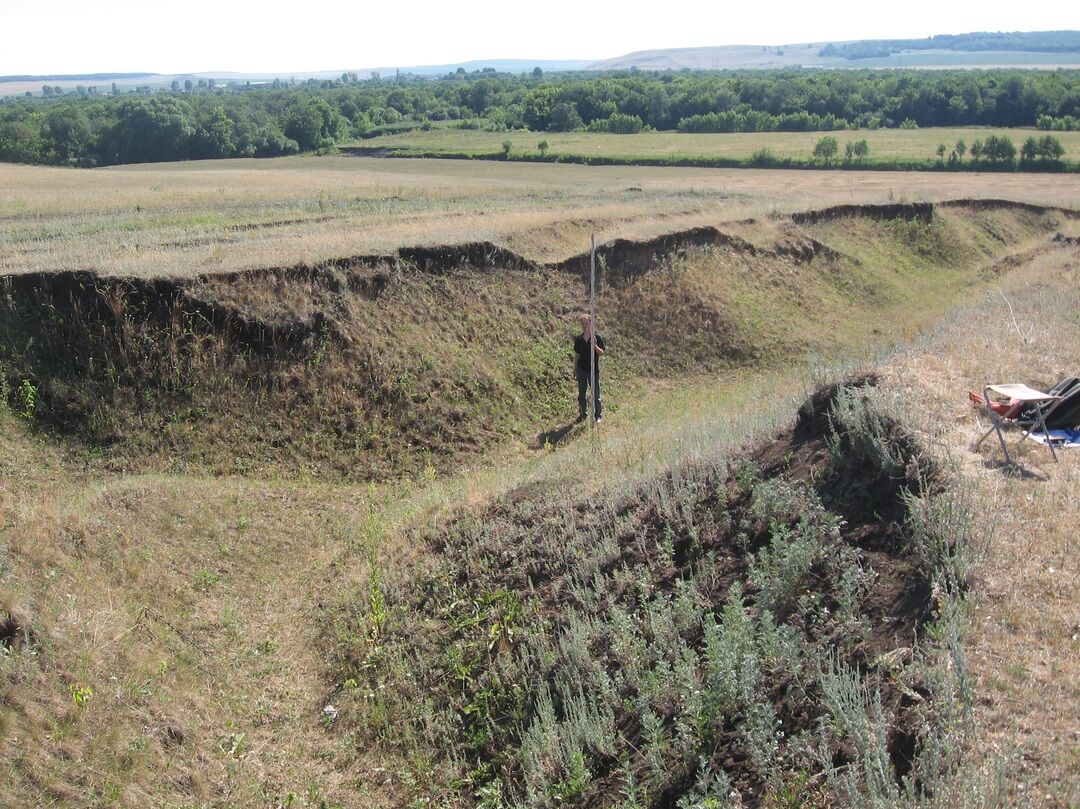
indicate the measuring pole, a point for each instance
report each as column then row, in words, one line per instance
column 592, row 329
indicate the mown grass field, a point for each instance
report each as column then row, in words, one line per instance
column 885, row 144
column 185, row 218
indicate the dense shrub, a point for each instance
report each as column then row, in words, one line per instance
column 618, row 123
column 746, row 119
column 1066, row 123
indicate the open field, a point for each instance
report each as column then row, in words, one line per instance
column 328, row 537
column 196, row 607
column 185, row 218
column 885, row 144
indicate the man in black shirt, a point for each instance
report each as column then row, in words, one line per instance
column 582, row 344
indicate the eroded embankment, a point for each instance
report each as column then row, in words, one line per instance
column 376, row 364
column 719, row 632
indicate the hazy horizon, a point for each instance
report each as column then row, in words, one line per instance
column 202, row 37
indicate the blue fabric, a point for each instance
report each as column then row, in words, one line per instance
column 1062, row 438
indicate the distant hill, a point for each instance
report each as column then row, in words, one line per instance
column 80, row 77
column 18, row 85
column 501, row 65
column 724, row 57
column 979, row 49
column 1043, row 49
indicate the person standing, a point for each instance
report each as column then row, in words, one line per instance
column 587, row 346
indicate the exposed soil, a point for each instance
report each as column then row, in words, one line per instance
column 873, row 508
column 908, row 211
column 16, row 630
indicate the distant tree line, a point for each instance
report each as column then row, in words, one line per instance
column 210, row 121
column 1066, row 123
column 1032, row 41
column 998, row 151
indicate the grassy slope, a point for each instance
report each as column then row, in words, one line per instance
column 250, row 563
column 885, row 144
column 741, row 57
column 410, row 371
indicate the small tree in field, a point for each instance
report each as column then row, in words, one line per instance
column 941, row 152
column 976, row 150
column 506, row 147
column 543, row 147
column 960, row 148
column 1050, row 148
column 856, row 150
column 826, row 148
column 1028, row 150
column 999, row 149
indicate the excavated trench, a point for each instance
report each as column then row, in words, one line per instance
column 145, row 364
column 89, row 294
column 366, row 365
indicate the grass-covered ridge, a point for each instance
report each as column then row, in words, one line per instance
column 760, row 630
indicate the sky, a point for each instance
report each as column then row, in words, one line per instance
column 191, row 36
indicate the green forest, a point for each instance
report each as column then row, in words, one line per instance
column 96, row 128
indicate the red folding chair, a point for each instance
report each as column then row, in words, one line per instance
column 1015, row 405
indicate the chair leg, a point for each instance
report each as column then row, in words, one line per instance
column 997, row 425
column 1049, row 441
column 982, row 438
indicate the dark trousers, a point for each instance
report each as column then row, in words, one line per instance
column 583, row 387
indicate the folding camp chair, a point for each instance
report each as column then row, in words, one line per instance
column 1063, row 415
column 1027, row 408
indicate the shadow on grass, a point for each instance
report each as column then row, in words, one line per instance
column 557, row 435
column 1016, row 469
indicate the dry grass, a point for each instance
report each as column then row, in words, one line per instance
column 177, row 602
column 192, row 605
column 1022, row 647
column 885, row 144
column 184, row 218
